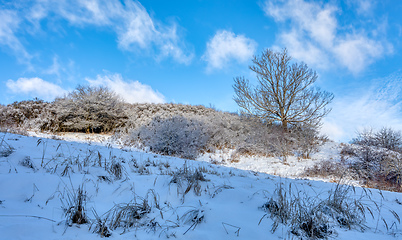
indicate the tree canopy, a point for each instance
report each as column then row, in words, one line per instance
column 284, row 93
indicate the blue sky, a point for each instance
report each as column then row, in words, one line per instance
column 190, row 51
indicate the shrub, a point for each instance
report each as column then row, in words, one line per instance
column 308, row 140
column 88, row 109
column 327, row 168
column 30, row 114
column 248, row 136
column 373, row 166
column 384, row 138
column 176, row 136
column 172, row 129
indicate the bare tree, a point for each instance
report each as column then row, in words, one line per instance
column 284, row 92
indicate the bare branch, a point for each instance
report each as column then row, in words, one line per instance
column 284, row 93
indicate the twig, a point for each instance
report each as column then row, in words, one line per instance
column 29, row 216
column 237, row 231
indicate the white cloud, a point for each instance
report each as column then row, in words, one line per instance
column 55, row 68
column 35, row 87
column 134, row 27
column 363, row 7
column 225, row 46
column 138, row 29
column 373, row 106
column 305, row 50
column 130, row 91
column 315, row 36
column 356, row 52
column 9, row 25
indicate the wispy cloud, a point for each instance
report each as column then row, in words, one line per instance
column 225, row 47
column 373, row 106
column 55, row 68
column 35, row 87
column 313, row 34
column 363, row 7
column 130, row 91
column 133, row 25
column 139, row 30
column 9, row 25
column 135, row 29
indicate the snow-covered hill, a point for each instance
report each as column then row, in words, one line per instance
column 138, row 195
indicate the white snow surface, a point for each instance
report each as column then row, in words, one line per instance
column 228, row 207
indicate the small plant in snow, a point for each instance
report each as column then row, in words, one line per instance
column 193, row 217
column 116, row 169
column 188, row 178
column 27, row 162
column 5, row 148
column 73, row 204
column 132, row 214
column 315, row 218
column 99, row 226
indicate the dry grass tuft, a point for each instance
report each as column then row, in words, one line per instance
column 315, row 218
column 190, row 179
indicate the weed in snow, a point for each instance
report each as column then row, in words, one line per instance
column 5, row 148
column 315, row 218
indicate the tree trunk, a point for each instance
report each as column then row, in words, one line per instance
column 285, row 125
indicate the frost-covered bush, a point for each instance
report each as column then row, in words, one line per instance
column 248, row 136
column 379, row 157
column 307, row 140
column 378, row 165
column 176, row 136
column 385, row 138
column 28, row 114
column 88, row 109
column 256, row 138
column 141, row 114
column 372, row 166
column 97, row 110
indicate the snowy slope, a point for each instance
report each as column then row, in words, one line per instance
column 40, row 175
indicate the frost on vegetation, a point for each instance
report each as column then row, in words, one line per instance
column 384, row 138
column 116, row 169
column 315, row 217
column 89, row 110
column 172, row 129
column 27, row 162
column 126, row 216
column 73, row 204
column 193, row 217
column 187, row 137
column 174, row 136
column 5, row 148
column 371, row 164
column 188, row 179
column 30, row 114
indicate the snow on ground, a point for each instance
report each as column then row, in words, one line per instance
column 290, row 167
column 41, row 175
